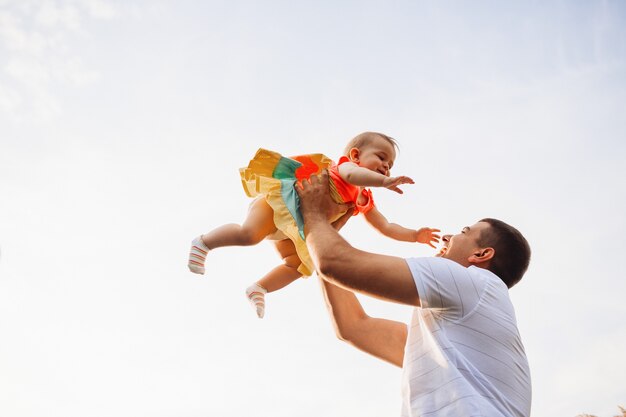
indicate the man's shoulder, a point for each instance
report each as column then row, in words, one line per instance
column 436, row 271
column 445, row 285
column 487, row 275
column 436, row 264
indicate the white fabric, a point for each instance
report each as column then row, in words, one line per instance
column 463, row 356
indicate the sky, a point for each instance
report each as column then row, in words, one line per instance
column 122, row 128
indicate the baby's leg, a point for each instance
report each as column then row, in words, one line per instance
column 277, row 278
column 286, row 273
column 258, row 224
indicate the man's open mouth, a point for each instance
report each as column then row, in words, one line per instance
column 442, row 251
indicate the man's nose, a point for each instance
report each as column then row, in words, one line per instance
column 446, row 238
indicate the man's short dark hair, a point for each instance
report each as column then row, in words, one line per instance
column 512, row 251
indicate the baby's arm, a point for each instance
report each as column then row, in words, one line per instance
column 364, row 177
column 395, row 231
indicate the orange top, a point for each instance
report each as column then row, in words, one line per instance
column 349, row 192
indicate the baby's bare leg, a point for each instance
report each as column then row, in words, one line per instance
column 286, row 273
column 258, row 224
column 277, row 278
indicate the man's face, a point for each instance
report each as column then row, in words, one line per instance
column 461, row 246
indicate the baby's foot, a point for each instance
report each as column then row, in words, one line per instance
column 197, row 256
column 256, row 296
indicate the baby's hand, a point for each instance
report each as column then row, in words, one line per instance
column 393, row 182
column 427, row 236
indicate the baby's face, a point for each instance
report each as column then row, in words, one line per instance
column 378, row 155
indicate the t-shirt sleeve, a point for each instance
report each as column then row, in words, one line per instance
column 445, row 287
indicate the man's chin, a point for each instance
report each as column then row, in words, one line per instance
column 442, row 252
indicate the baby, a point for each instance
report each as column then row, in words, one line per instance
column 274, row 214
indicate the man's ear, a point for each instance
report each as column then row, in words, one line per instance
column 354, row 154
column 480, row 256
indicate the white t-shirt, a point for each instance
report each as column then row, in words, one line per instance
column 463, row 355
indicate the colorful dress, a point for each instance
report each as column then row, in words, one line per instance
column 274, row 176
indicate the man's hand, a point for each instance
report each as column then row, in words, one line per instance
column 316, row 204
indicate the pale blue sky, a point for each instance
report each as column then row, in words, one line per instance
column 123, row 124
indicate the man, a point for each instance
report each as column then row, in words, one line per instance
column 462, row 354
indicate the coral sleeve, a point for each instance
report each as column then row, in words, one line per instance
column 368, row 205
column 350, row 192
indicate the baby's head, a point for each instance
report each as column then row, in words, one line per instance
column 372, row 150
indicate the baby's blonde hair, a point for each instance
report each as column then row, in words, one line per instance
column 362, row 140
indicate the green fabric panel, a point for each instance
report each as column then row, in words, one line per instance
column 286, row 168
column 292, row 201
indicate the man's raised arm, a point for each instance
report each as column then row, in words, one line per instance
column 384, row 339
column 380, row 276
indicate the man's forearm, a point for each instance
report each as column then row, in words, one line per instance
column 384, row 339
column 330, row 252
column 344, row 309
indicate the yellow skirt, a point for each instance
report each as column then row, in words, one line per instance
column 274, row 176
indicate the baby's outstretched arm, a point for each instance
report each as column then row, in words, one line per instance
column 364, row 177
column 392, row 183
column 424, row 235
